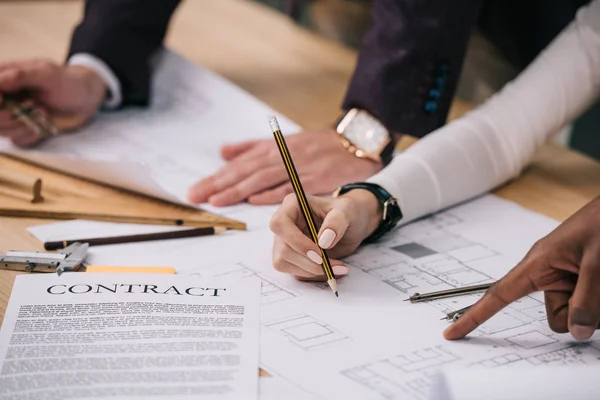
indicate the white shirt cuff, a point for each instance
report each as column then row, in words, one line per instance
column 115, row 97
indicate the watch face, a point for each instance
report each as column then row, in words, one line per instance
column 366, row 133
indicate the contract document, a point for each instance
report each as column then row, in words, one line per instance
column 130, row 336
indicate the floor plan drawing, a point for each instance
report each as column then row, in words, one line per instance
column 437, row 253
column 531, row 339
column 410, row 375
column 271, row 291
column 427, row 256
column 396, row 375
column 307, row 332
column 523, row 312
column 573, row 354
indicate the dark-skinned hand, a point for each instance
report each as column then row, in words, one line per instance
column 565, row 265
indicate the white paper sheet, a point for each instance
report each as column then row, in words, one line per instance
column 369, row 343
column 205, row 250
column 123, row 336
column 161, row 151
column 573, row 382
column 274, row 388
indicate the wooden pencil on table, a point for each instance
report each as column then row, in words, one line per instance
column 302, row 202
column 187, row 233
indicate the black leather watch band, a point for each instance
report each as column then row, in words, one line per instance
column 391, row 210
column 388, row 153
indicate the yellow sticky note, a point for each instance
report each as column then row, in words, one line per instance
column 129, row 270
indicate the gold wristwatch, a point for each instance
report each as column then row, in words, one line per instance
column 364, row 136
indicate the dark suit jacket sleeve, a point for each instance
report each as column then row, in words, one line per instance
column 125, row 34
column 410, row 61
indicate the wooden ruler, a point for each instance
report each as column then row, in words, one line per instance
column 66, row 197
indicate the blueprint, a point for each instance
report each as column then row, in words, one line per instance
column 578, row 382
column 369, row 343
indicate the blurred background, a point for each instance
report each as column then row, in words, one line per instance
column 485, row 70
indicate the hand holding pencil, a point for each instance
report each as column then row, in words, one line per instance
column 321, row 256
column 344, row 223
column 301, row 249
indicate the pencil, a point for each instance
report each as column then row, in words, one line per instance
column 187, row 233
column 302, row 202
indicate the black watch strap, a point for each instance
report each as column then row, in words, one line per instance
column 388, row 153
column 391, row 210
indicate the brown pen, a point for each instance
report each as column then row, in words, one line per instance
column 187, row 233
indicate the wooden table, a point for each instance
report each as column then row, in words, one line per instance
column 296, row 72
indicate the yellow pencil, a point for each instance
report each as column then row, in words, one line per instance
column 302, row 201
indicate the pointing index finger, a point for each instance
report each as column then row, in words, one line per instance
column 512, row 287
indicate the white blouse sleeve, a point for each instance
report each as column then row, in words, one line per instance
column 494, row 143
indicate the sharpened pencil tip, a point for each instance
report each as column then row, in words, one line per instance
column 336, row 294
column 333, row 285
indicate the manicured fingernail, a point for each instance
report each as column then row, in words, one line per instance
column 581, row 332
column 339, row 270
column 314, row 257
column 327, row 238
